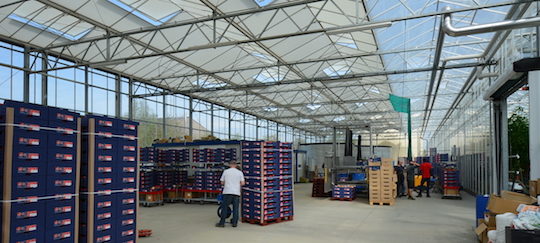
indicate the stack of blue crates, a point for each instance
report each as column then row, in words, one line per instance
column 43, row 173
column 207, row 180
column 149, row 154
column 344, row 192
column 268, row 194
column 109, row 180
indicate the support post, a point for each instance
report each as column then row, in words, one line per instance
column 534, row 124
column 190, row 117
column 44, row 80
column 26, row 77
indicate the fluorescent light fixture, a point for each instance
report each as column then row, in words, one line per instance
column 270, row 108
column 376, row 117
column 313, row 106
column 339, row 119
column 48, row 28
column 349, row 29
column 391, row 130
column 109, row 63
column 304, row 120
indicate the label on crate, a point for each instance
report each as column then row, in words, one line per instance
column 129, row 158
column 66, row 131
column 105, row 123
column 130, row 127
column 31, row 127
column 27, row 170
column 128, row 169
column 104, row 215
column 127, row 222
column 129, row 148
column 66, row 157
column 29, row 141
column 105, row 146
column 104, row 204
column 27, row 184
column 63, row 196
column 63, row 183
column 103, row 238
column 128, row 232
column 29, row 112
column 63, row 235
column 27, row 228
column 130, row 137
column 64, row 144
column 28, row 241
column 28, row 156
column 128, row 211
column 103, row 227
column 32, row 199
column 65, row 117
column 105, row 169
column 105, row 134
column 27, row 214
column 104, row 180
column 128, row 201
column 63, row 170
column 62, row 222
column 128, row 179
column 105, row 158
column 65, row 209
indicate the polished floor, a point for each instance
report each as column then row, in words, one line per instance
column 321, row 220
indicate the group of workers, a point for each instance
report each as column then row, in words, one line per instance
column 409, row 171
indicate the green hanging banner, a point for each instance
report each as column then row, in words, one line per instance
column 402, row 104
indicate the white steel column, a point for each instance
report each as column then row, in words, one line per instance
column 534, row 124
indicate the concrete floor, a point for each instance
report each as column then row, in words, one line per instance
column 321, row 220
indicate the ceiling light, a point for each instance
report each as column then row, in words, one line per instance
column 304, row 120
column 313, row 106
column 339, row 118
column 349, row 29
column 270, row 109
column 360, row 104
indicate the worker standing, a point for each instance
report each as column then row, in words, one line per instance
column 425, row 168
column 400, row 179
column 232, row 180
column 410, row 170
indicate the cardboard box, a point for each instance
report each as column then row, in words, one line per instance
column 489, row 220
column 481, row 233
column 534, row 188
column 508, row 202
column 387, row 163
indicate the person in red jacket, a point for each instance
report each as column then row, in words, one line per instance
column 425, row 168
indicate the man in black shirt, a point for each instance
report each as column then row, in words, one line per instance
column 400, row 179
column 411, row 172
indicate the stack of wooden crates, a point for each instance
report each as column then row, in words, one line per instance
column 381, row 182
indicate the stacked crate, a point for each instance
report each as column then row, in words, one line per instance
column 343, row 192
column 39, row 147
column 109, row 180
column 381, row 182
column 149, row 154
column 268, row 194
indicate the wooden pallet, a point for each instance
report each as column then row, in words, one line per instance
column 390, row 203
column 267, row 222
column 341, row 199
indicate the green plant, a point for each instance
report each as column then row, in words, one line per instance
column 518, row 140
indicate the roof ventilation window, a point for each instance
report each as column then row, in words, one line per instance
column 155, row 13
column 270, row 108
column 51, row 20
column 263, row 3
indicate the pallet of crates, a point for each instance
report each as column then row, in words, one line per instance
column 40, row 151
column 343, row 192
column 109, row 180
column 451, row 183
column 267, row 196
column 381, row 182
